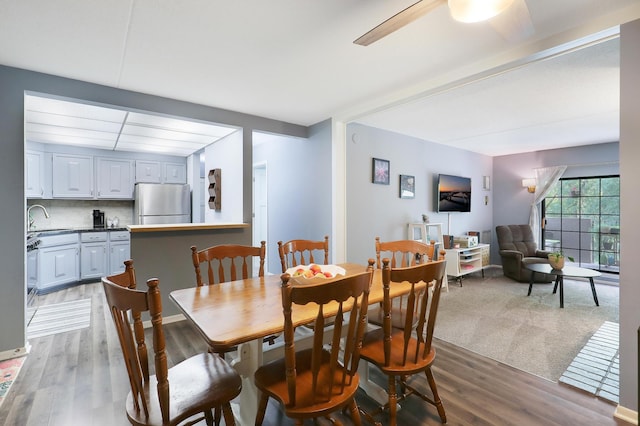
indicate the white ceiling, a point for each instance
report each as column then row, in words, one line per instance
column 66, row 122
column 296, row 62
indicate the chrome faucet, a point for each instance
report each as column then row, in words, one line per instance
column 31, row 219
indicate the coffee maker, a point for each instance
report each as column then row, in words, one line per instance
column 98, row 219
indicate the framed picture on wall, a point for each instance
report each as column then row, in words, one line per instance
column 380, row 171
column 407, row 186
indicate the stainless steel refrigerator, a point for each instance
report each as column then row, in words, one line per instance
column 161, row 204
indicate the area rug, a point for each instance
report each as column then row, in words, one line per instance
column 596, row 368
column 494, row 317
column 9, row 370
column 60, row 318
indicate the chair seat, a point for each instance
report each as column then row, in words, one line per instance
column 271, row 379
column 189, row 390
column 373, row 351
column 375, row 314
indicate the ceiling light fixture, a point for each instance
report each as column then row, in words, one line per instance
column 477, row 10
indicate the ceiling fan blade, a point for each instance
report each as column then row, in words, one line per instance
column 398, row 21
column 514, row 24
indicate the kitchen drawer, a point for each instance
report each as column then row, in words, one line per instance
column 119, row 236
column 89, row 237
column 58, row 240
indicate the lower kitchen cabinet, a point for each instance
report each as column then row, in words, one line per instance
column 75, row 257
column 94, row 255
column 119, row 251
column 59, row 261
column 32, row 269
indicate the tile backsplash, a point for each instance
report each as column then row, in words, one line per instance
column 78, row 213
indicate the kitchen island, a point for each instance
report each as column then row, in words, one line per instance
column 164, row 252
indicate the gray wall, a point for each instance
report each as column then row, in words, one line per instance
column 630, row 212
column 513, row 202
column 167, row 256
column 13, row 84
column 377, row 210
column 299, row 188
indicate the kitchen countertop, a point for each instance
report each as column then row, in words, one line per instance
column 59, row 231
column 185, row 227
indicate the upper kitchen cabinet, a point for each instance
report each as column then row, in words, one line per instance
column 114, row 178
column 160, row 172
column 35, row 172
column 72, row 176
column 148, row 171
column 175, row 173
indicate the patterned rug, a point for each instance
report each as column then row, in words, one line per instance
column 9, row 370
column 59, row 318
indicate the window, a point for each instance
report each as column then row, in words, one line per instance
column 582, row 218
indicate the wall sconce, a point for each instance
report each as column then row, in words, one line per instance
column 530, row 184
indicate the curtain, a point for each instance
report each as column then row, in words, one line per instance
column 546, row 177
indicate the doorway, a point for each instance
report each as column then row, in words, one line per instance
column 259, row 218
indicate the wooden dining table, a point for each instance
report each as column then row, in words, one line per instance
column 240, row 313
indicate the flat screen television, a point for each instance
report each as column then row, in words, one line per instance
column 454, row 194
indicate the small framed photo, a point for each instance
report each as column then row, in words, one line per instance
column 407, row 186
column 380, row 171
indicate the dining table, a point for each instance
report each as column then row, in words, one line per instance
column 242, row 312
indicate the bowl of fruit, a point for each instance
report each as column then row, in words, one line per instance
column 315, row 271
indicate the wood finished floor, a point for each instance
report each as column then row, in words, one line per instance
column 77, row 378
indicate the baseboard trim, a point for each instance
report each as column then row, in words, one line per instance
column 165, row 320
column 626, row 414
column 15, row 353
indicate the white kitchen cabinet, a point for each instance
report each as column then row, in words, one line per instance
column 94, row 255
column 32, row 269
column 59, row 260
column 72, row 176
column 119, row 250
column 114, row 178
column 175, row 173
column 35, row 172
column 148, row 171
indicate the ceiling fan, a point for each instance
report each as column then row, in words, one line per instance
column 510, row 18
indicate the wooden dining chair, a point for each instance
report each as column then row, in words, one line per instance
column 402, row 353
column 301, row 252
column 126, row 278
column 173, row 395
column 227, row 262
column 316, row 382
column 404, row 253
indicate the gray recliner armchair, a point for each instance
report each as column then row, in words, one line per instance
column 517, row 248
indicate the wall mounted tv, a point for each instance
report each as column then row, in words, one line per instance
column 454, row 194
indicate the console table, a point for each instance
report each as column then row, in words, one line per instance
column 465, row 260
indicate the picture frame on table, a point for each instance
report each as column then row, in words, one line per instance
column 407, row 186
column 380, row 171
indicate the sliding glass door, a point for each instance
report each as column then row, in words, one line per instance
column 582, row 218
